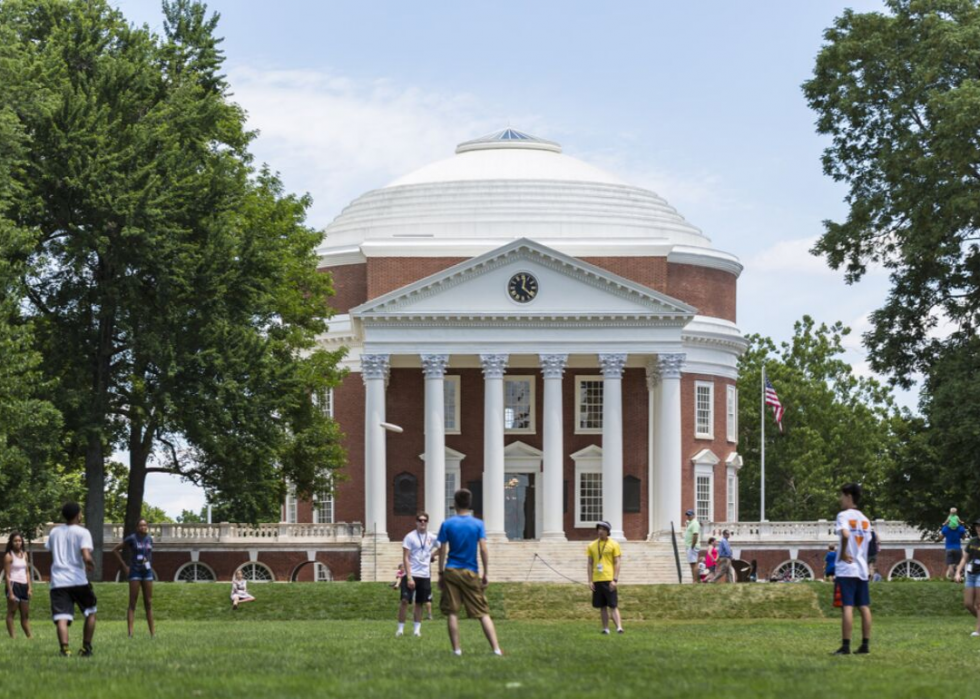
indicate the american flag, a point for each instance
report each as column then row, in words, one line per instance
column 773, row 400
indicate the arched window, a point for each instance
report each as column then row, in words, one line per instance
column 792, row 571
column 911, row 570
column 257, row 572
column 195, row 572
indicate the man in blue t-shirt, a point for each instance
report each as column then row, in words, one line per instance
column 459, row 577
column 954, row 548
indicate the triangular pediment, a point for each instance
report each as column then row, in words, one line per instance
column 563, row 286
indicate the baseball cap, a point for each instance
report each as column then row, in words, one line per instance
column 603, row 524
column 689, row 512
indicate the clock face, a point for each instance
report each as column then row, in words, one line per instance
column 522, row 287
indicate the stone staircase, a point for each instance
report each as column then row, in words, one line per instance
column 644, row 562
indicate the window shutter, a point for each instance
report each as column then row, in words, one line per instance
column 406, row 494
column 631, row 494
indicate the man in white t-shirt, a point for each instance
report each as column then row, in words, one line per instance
column 418, row 548
column 71, row 555
column 851, row 572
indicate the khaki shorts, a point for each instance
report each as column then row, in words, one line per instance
column 463, row 587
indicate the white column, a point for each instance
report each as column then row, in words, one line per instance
column 669, row 459
column 374, row 371
column 434, row 367
column 494, row 367
column 553, row 526
column 653, row 454
column 612, row 442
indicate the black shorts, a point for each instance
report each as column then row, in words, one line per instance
column 422, row 592
column 953, row 556
column 20, row 591
column 64, row 599
column 603, row 596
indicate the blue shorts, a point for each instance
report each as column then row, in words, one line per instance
column 973, row 580
column 853, row 592
column 140, row 573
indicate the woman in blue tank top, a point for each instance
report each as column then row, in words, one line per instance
column 139, row 572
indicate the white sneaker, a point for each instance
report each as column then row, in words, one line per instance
column 975, row 633
column 417, row 634
column 605, row 632
column 399, row 633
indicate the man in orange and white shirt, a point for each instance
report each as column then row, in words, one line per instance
column 854, row 532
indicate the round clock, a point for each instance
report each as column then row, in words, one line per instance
column 522, row 287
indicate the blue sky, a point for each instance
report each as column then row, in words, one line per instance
column 700, row 102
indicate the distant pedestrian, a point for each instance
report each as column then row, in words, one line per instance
column 954, row 544
column 829, row 563
column 20, row 587
column 418, row 548
column 139, row 572
column 711, row 556
column 71, row 556
column 692, row 536
column 605, row 560
column 459, row 580
column 723, row 571
column 239, row 590
column 854, row 530
column 399, row 575
column 970, row 562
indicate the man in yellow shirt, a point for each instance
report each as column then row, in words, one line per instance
column 604, row 563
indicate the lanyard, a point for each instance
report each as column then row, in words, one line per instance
column 422, row 542
column 601, row 549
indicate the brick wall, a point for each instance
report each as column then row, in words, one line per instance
column 349, row 494
column 648, row 271
column 350, row 286
column 711, row 291
column 386, row 274
column 768, row 560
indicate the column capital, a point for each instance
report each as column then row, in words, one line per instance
column 612, row 365
column 653, row 373
column 374, row 366
column 494, row 365
column 553, row 365
column 434, row 365
column 671, row 364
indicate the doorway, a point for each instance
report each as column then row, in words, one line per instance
column 520, row 505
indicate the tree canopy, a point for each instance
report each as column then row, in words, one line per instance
column 173, row 285
column 899, row 95
column 838, row 427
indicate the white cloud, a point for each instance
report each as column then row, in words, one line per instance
column 790, row 256
column 337, row 138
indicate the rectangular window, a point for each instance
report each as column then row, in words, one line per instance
column 291, row 505
column 519, row 404
column 323, row 508
column 450, row 397
column 704, row 398
column 732, row 410
column 703, row 497
column 452, row 485
column 732, row 516
column 589, row 498
column 588, row 401
column 324, row 401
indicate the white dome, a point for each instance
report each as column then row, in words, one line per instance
column 504, row 186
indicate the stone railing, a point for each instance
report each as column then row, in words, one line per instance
column 226, row 533
column 821, row 531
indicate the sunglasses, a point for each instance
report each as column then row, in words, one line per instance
column 422, row 520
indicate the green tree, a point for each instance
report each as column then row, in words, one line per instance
column 175, row 288
column 899, row 95
column 191, row 517
column 838, row 427
column 937, row 462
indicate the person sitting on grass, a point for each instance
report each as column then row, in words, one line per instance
column 971, row 563
column 18, row 583
column 829, row 563
column 139, row 572
column 398, row 577
column 239, row 590
column 854, row 530
column 605, row 558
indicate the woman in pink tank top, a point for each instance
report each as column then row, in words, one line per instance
column 18, row 585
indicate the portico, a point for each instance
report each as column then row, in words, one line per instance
column 579, row 317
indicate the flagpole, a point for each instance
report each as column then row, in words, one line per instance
column 762, row 425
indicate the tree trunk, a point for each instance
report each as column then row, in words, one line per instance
column 95, row 498
column 135, row 490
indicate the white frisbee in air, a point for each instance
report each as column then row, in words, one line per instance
column 392, row 428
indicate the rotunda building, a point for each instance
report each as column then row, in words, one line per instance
column 560, row 342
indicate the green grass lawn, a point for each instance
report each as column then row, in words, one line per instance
column 338, row 640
